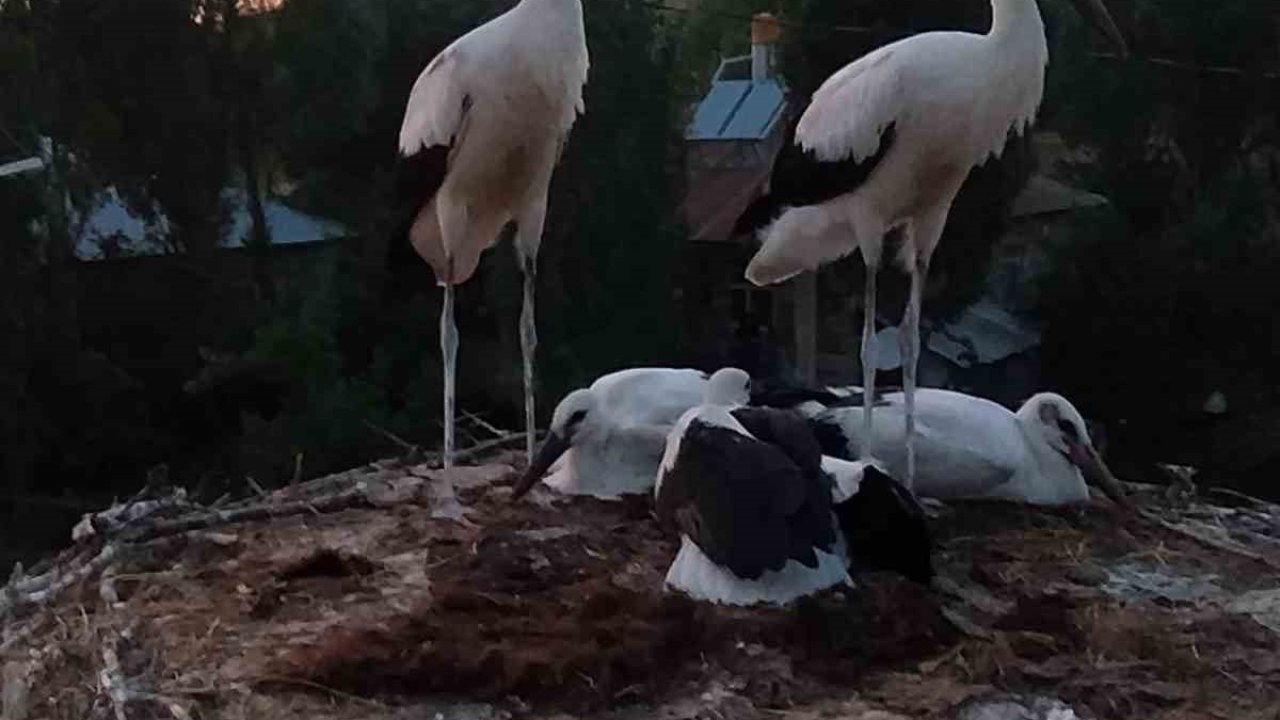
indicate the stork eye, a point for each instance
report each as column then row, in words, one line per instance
column 1069, row 430
column 577, row 417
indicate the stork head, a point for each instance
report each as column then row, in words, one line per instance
column 1062, row 427
column 573, row 420
column 729, row 387
column 1095, row 13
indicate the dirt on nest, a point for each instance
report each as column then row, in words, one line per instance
column 435, row 596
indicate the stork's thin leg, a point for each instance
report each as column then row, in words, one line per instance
column 528, row 347
column 449, row 349
column 868, row 361
column 909, row 337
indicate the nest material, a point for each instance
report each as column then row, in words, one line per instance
column 394, row 591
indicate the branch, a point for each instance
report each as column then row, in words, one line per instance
column 496, row 432
column 405, row 445
column 487, row 445
column 202, row 521
column 1181, row 65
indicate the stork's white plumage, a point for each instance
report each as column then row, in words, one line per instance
column 969, row 447
column 886, row 143
column 606, row 440
column 482, row 131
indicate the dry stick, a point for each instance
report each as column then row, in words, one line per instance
column 164, row 528
column 297, row 470
column 299, row 682
column 255, row 487
column 1227, row 492
column 22, row 635
column 497, row 432
column 404, row 444
column 487, row 445
column 112, row 681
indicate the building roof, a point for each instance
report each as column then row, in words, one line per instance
column 737, row 108
column 1044, row 195
column 984, row 333
column 714, row 202
column 112, row 230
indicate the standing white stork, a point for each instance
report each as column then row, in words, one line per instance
column 483, row 129
column 886, row 143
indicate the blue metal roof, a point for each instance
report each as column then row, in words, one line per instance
column 756, row 114
column 737, row 110
column 113, row 222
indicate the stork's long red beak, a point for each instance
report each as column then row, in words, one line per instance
column 1096, row 14
column 1096, row 472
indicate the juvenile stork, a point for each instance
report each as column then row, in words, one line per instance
column 606, row 440
column 886, row 143
column 485, row 124
column 970, row 447
column 764, row 517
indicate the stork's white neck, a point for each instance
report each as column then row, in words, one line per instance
column 563, row 6
column 1016, row 19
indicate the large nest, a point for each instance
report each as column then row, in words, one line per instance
column 402, row 591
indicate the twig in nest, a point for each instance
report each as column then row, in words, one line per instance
column 297, row 470
column 257, row 489
column 205, row 520
column 53, row 583
column 112, row 681
column 107, row 586
column 405, row 445
column 299, row 682
column 496, row 432
column 486, row 446
column 1237, row 495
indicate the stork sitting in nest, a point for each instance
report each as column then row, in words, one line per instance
column 764, row 517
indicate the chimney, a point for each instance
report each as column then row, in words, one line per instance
column 765, row 33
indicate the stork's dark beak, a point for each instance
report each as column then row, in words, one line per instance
column 1096, row 472
column 552, row 448
column 1095, row 13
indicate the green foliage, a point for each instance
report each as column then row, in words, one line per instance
column 1166, row 297
column 606, row 281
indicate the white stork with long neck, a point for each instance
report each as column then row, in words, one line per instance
column 886, row 143
column 483, row 129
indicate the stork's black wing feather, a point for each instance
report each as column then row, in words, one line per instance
column 799, row 178
column 785, row 430
column 788, row 431
column 417, row 179
column 886, row 528
column 750, row 506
